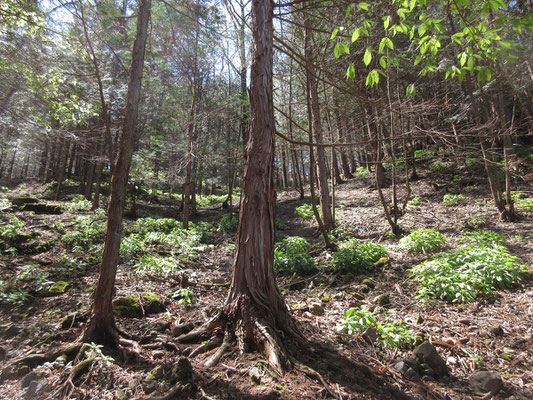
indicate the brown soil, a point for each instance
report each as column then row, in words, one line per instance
column 494, row 333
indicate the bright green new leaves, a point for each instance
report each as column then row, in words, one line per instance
column 367, row 58
column 385, row 42
column 340, row 48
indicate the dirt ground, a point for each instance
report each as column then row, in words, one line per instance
column 494, row 333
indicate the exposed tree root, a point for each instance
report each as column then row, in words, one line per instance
column 68, row 387
column 177, row 392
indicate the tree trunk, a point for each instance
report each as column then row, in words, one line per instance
column 62, row 167
column 101, row 327
column 322, row 175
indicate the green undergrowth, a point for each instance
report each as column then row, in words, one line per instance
column 355, row 257
column 88, row 230
column 228, row 223
column 291, row 255
column 305, row 212
column 423, row 241
column 395, row 334
column 79, row 203
column 450, row 199
column 460, row 276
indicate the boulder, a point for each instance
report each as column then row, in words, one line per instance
column 406, row 370
column 485, row 382
column 316, row 309
column 58, row 288
column 383, row 300
column 42, row 209
column 20, row 201
column 427, row 361
column 182, row 371
column 128, row 307
column 151, row 303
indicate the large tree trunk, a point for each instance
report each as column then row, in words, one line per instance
column 101, row 327
column 254, row 311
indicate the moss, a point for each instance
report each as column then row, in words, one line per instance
column 58, row 287
column 384, row 299
column 151, row 303
column 369, row 282
column 128, row 307
column 382, row 262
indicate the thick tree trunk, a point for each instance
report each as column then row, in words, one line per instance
column 101, row 327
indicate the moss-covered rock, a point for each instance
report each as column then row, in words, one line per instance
column 382, row 262
column 128, row 307
column 58, row 288
column 151, row 303
column 383, row 300
column 369, row 282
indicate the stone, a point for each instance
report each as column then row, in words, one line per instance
column 485, row 382
column 182, row 371
column 181, row 329
column 255, row 375
column 149, row 386
column 162, row 326
column 128, row 307
column 427, row 354
column 151, row 303
column 20, row 201
column 370, row 334
column 59, row 287
column 369, row 282
column 155, row 374
column 406, row 370
column 316, row 309
column 42, row 209
column 37, row 389
column 29, row 378
column 497, row 330
column 362, row 288
column 382, row 262
column 383, row 300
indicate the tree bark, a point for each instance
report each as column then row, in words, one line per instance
column 101, row 327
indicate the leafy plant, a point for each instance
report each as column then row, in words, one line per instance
column 482, row 238
column 355, row 257
column 95, row 350
column 291, row 255
column 393, row 334
column 438, row 166
column 522, row 201
column 185, row 296
column 158, row 266
column 228, row 223
column 148, row 224
column 305, row 212
column 423, row 241
column 450, row 199
column 132, row 245
column 12, row 231
column 89, row 230
column 361, row 172
column 79, row 203
column 414, row 201
column 461, row 275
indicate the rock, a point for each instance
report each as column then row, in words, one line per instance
column 182, row 371
column 316, row 309
column 181, row 329
column 497, row 330
column 408, row 372
column 162, row 326
column 149, row 386
column 20, row 201
column 58, row 288
column 42, row 209
column 369, row 282
column 28, row 378
column 72, row 320
column 485, row 381
column 465, row 321
column 255, row 375
column 151, row 303
column 128, row 307
column 383, row 300
column 37, row 388
column 155, row 374
column 427, row 354
column 382, row 262
column 370, row 334
column 362, row 288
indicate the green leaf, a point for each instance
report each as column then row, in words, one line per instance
column 383, row 62
column 356, row 34
column 484, row 74
column 363, row 6
column 385, row 42
column 462, row 58
column 334, row 33
column 350, row 72
column 410, row 90
column 367, row 58
column 386, row 22
column 418, row 59
column 337, row 50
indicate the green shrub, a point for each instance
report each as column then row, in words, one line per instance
column 132, row 245
column 354, row 257
column 158, row 266
column 424, row 153
column 89, row 230
column 450, row 199
column 12, row 231
column 438, row 166
column 305, row 212
column 460, row 276
column 280, row 224
column 361, row 172
column 79, row 203
column 205, row 201
column 394, row 334
column 423, row 241
column 185, row 296
column 148, row 224
column 228, row 223
column 291, row 255
column 522, row 201
column 414, row 201
column 482, row 238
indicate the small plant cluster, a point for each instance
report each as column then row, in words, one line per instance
column 79, row 203
column 361, row 172
column 450, row 199
column 90, row 229
column 29, row 279
column 354, row 257
column 291, row 255
column 393, row 334
column 482, row 238
column 157, row 266
column 424, row 153
column 415, row 201
column 11, row 232
column 203, row 201
column 464, row 274
column 423, row 241
column 437, row 166
column 522, row 201
column 228, row 223
column 305, row 212
column 185, row 296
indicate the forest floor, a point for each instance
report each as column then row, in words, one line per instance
column 491, row 333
